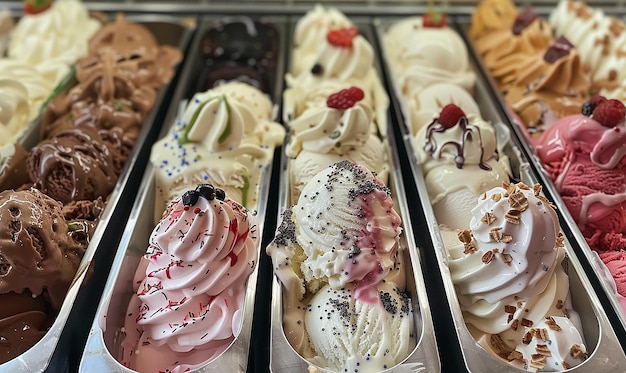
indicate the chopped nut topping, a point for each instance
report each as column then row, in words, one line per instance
column 515, row 324
column 513, row 216
column 488, row 218
column 495, row 234
column 510, row 309
column 469, row 248
column 576, row 351
column 538, row 361
column 616, row 27
column 523, row 186
column 565, row 365
column 496, row 197
column 552, row 323
column 527, row 323
column 518, row 201
column 465, row 236
column 559, row 304
column 507, row 259
column 560, row 240
column 537, row 189
column 541, row 333
column 543, row 350
column 528, row 336
column 505, row 184
column 487, row 257
column 499, row 347
column 506, row 238
column 509, row 318
column 515, row 355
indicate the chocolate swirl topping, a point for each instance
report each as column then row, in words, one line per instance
column 430, row 147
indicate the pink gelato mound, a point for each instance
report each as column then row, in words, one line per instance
column 615, row 262
column 586, row 162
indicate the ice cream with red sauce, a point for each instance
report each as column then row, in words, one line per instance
column 335, row 254
column 191, row 284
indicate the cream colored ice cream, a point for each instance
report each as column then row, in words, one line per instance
column 419, row 56
column 225, row 137
column 335, row 132
column 507, row 273
column 421, row 107
column 460, row 158
column 339, row 57
column 22, row 92
column 335, row 248
column 599, row 38
column 384, row 328
column 310, row 30
column 54, row 39
column 307, row 91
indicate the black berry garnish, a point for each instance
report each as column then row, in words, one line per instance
column 190, row 197
column 587, row 108
column 207, row 191
column 220, row 194
column 317, row 69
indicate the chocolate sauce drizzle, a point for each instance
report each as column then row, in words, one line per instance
column 431, row 145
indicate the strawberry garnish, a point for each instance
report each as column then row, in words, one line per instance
column 434, row 18
column 610, row 113
column 342, row 37
column 36, row 6
column 345, row 99
column 450, row 115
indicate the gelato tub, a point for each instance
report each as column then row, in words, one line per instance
column 53, row 349
column 212, row 61
column 422, row 348
column 603, row 277
column 599, row 337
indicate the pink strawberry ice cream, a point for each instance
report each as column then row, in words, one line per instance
column 585, row 159
column 191, row 284
column 584, row 156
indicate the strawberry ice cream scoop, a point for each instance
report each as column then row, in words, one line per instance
column 584, row 156
column 190, row 295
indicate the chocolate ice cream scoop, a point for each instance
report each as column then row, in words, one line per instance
column 36, row 251
column 76, row 164
column 23, row 321
column 136, row 51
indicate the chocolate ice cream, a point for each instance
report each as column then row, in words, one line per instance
column 76, row 164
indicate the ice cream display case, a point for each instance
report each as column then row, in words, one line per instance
column 368, row 82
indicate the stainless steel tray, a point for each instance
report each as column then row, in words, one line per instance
column 603, row 282
column 168, row 31
column 604, row 351
column 104, row 340
column 424, row 356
